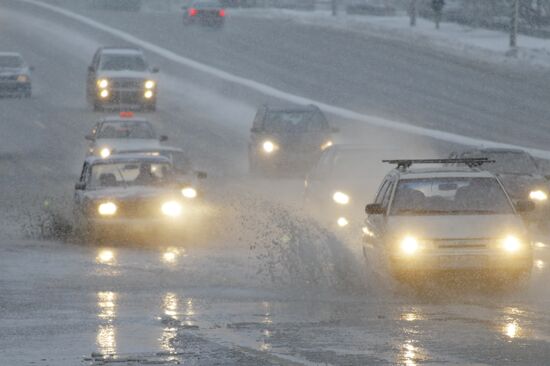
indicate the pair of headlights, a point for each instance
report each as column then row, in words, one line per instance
column 410, row 245
column 169, row 208
column 270, row 147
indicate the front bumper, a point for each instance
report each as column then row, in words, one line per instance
column 125, row 97
column 464, row 261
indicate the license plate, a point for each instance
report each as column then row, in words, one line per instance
column 462, row 261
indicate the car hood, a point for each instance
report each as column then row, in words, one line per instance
column 125, row 74
column 519, row 186
column 130, row 193
column 456, row 226
column 127, row 144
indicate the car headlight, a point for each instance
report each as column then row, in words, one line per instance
column 269, row 147
column 342, row 222
column 104, row 93
column 189, row 192
column 149, row 84
column 326, row 145
column 105, row 152
column 340, row 197
column 538, row 195
column 22, row 78
column 511, row 244
column 103, row 83
column 171, row 209
column 409, row 245
column 107, row 209
column 148, row 94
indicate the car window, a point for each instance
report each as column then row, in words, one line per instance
column 293, row 122
column 382, row 192
column 450, row 196
column 112, row 62
column 126, row 130
column 104, row 175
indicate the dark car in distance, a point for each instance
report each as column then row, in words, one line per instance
column 15, row 76
column 288, row 140
column 204, row 12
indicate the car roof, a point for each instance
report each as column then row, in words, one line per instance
column 121, row 50
column 298, row 108
column 443, row 172
column 123, row 158
column 497, row 150
column 150, row 149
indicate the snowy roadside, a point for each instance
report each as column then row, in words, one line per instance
column 480, row 44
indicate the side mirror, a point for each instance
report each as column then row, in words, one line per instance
column 163, row 138
column 80, row 186
column 89, row 137
column 375, row 209
column 202, row 175
column 525, row 206
column 155, row 70
column 335, row 130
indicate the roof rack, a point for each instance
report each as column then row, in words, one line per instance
column 470, row 162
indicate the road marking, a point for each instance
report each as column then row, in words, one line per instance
column 276, row 93
column 40, row 124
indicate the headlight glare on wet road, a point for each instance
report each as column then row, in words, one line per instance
column 341, row 198
column 189, row 192
column 171, row 209
column 538, row 195
column 342, row 222
column 326, row 145
column 107, row 209
column 409, row 245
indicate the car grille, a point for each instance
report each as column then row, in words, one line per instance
column 128, row 83
column 142, row 208
column 479, row 243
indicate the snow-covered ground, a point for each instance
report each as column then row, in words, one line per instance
column 487, row 45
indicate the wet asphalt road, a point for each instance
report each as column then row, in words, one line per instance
column 252, row 288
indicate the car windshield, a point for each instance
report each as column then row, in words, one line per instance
column 511, row 163
column 450, row 196
column 294, row 122
column 179, row 160
column 206, row 4
column 123, row 62
column 126, row 130
column 11, row 61
column 108, row 175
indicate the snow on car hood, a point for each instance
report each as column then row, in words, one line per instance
column 456, row 226
column 127, row 144
column 125, row 74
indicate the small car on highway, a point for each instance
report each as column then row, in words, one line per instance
column 204, row 12
column 131, row 192
column 288, row 140
column 120, row 77
column 124, row 132
column 15, row 75
column 426, row 222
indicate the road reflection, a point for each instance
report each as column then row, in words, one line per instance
column 105, row 256
column 170, row 331
column 171, row 256
column 511, row 327
column 265, row 344
column 106, row 332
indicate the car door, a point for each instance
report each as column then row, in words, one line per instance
column 92, row 75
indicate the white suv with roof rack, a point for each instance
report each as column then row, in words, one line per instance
column 445, row 220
